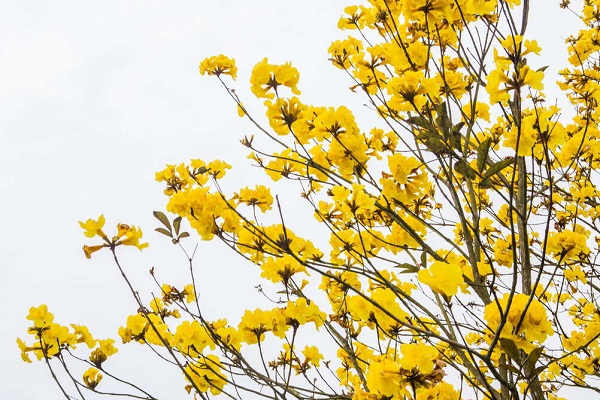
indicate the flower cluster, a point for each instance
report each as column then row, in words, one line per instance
column 456, row 237
column 126, row 235
column 52, row 340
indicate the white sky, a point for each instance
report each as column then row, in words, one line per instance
column 97, row 96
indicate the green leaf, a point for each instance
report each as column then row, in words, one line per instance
column 442, row 120
column 433, row 142
column 538, row 370
column 424, row 260
column 532, row 360
column 463, row 168
column 162, row 218
column 407, row 268
column 514, row 109
column 456, row 136
column 177, row 225
column 164, row 232
column 482, row 153
column 486, row 183
column 510, row 348
column 421, row 122
column 183, row 235
column 499, row 166
column 456, row 128
column 513, row 369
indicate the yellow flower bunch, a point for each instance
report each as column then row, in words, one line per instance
column 50, row 338
column 268, row 77
column 523, row 319
column 126, row 235
column 218, row 65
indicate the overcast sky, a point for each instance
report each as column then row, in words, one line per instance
column 97, row 96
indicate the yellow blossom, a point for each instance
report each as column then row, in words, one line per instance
column 93, row 227
column 525, row 316
column 260, row 197
column 89, row 250
column 24, row 350
column 217, row 65
column 206, row 375
column 130, row 236
column 267, row 77
column 312, row 355
column 443, row 278
column 40, row 316
column 418, row 355
column 92, row 378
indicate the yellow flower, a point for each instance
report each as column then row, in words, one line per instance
column 93, row 227
column 267, row 76
column 97, row 357
column 343, row 51
column 158, row 332
column 441, row 391
column 528, row 315
column 228, row 335
column 513, row 46
column 404, row 169
column 260, row 197
column 217, row 65
column 285, row 115
column 24, row 350
column 481, row 110
column 83, row 335
column 531, row 78
column 132, row 236
column 191, row 338
column 442, row 278
column 567, row 245
column 411, row 91
column 418, row 355
column 107, row 346
column 285, row 164
column 384, row 377
column 281, row 269
column 301, row 311
column 134, row 330
column 254, row 324
column 386, row 304
column 498, row 94
column 40, row 316
column 92, row 378
column 89, row 250
column 353, row 203
column 575, row 273
column 241, row 110
column 217, row 168
column 354, row 18
column 312, row 355
column 189, row 293
column 206, row 375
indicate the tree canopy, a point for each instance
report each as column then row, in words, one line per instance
column 452, row 246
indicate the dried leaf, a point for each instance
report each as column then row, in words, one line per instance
column 177, row 225
column 163, row 219
column 164, row 232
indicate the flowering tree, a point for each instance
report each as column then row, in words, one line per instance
column 462, row 229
